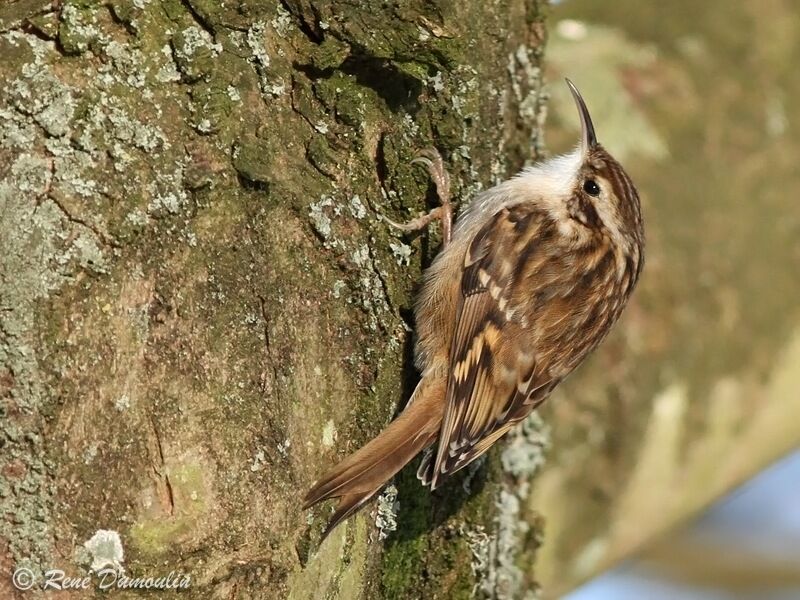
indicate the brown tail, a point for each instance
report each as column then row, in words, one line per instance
column 362, row 474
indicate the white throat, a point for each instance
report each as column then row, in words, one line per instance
column 552, row 179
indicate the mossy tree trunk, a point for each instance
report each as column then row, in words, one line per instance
column 201, row 307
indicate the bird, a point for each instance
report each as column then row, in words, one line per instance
column 528, row 282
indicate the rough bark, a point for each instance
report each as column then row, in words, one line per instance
column 202, row 308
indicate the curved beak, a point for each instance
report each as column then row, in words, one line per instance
column 588, row 138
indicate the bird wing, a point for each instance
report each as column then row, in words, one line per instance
column 493, row 381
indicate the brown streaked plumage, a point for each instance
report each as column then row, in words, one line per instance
column 537, row 271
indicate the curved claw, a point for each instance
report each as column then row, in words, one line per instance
column 429, row 157
column 432, row 160
column 395, row 224
column 416, row 224
column 421, row 160
column 431, row 153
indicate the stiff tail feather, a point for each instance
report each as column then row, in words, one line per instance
column 362, row 474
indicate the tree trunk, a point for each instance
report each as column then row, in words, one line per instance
column 202, row 307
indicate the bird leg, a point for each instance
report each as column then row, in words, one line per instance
column 432, row 160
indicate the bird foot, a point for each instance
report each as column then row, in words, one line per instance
column 432, row 160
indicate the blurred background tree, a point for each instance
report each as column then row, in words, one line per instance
column 699, row 97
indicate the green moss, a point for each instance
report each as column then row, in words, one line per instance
column 429, row 537
column 125, row 10
column 47, row 25
column 352, row 103
column 175, row 11
column 330, row 54
column 251, row 159
column 154, row 533
column 322, row 156
column 408, row 547
column 207, row 11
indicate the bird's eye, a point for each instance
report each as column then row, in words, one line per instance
column 590, row 187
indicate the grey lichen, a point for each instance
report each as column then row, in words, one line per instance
column 128, row 62
column 122, row 403
column 505, row 578
column 388, row 506
column 283, row 447
column 60, row 140
column 479, row 544
column 373, row 297
column 259, row 59
column 526, row 450
column 325, row 214
column 527, row 85
column 338, row 287
column 357, row 208
column 30, row 268
column 78, row 29
column 329, row 434
column 194, row 50
column 259, row 461
column 105, row 548
column 402, row 253
column 168, row 71
column 522, row 457
column 320, row 219
column 282, row 23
